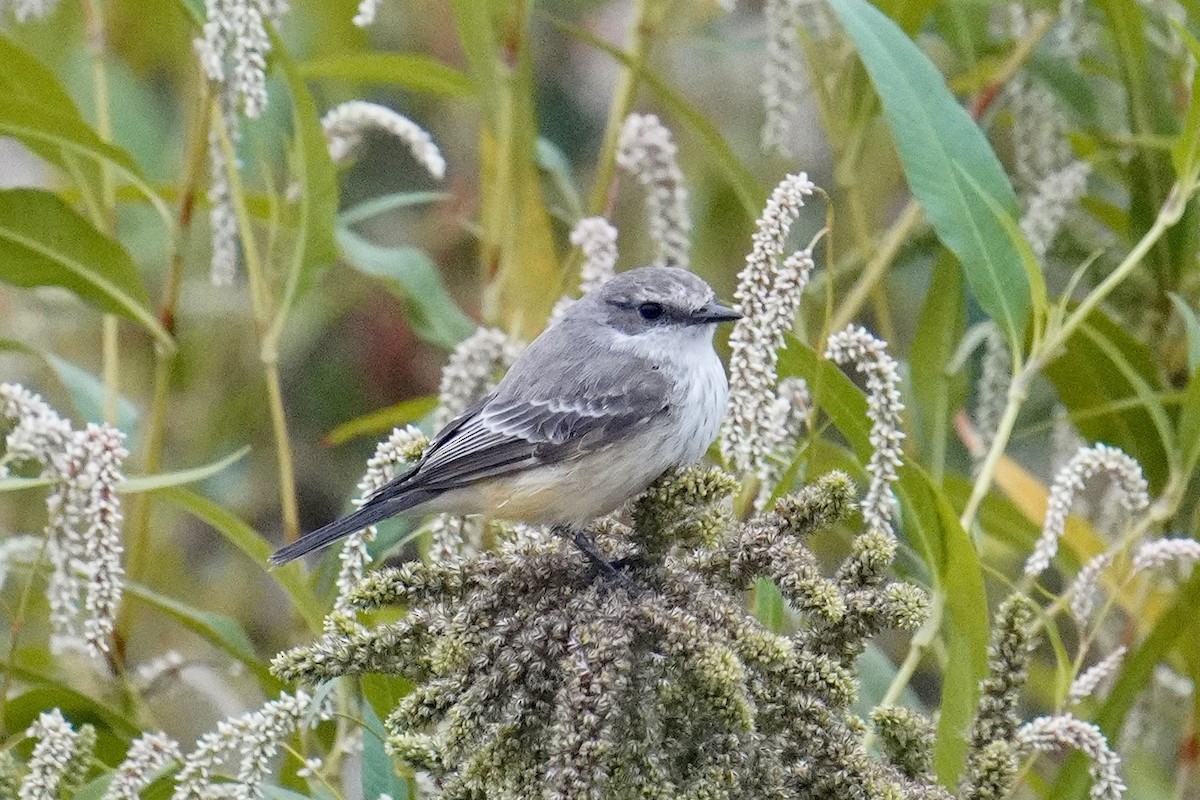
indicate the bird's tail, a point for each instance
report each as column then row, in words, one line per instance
column 376, row 510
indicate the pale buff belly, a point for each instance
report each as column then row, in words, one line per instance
column 577, row 492
column 572, row 493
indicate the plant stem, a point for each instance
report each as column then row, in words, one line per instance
column 110, row 347
column 110, row 334
column 155, row 431
column 622, row 103
column 877, row 267
column 921, row 642
column 260, row 301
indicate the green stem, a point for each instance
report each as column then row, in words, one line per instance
column 139, row 528
column 110, row 333
column 261, row 303
column 877, row 267
column 921, row 642
column 16, row 626
column 1017, row 392
column 622, row 103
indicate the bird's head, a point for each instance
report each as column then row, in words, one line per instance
column 655, row 302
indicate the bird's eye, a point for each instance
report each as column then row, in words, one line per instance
column 650, row 310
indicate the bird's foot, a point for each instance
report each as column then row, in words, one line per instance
column 601, row 566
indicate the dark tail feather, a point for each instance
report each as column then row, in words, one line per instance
column 364, row 517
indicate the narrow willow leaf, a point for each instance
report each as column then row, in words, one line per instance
column 388, row 202
column 1191, row 324
column 768, row 604
column 1102, row 364
column 411, row 276
column 24, row 77
column 85, row 389
column 136, row 484
column 113, row 729
column 379, row 768
column 382, row 421
column 246, row 539
column 217, row 629
column 554, row 162
column 315, row 210
column 477, row 37
column 40, row 127
column 940, row 146
column 44, row 242
column 405, row 70
column 938, row 393
column 932, row 527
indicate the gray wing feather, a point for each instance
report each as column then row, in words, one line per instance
column 564, row 398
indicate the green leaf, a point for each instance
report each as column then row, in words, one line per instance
column 405, row 70
column 477, row 38
column 768, row 604
column 112, row 728
column 44, row 242
column 1185, row 155
column 1189, row 428
column 246, row 539
column 716, row 149
column 1192, row 326
column 217, row 629
column 137, row 484
column 411, row 276
column 382, row 421
column 378, row 769
column 382, row 205
column 931, row 525
column 1100, row 365
column 951, row 558
column 314, row 213
column 938, row 393
column 166, row 480
column 40, row 127
column 554, row 162
column 86, row 390
column 947, row 161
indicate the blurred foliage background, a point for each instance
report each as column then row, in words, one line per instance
column 526, row 113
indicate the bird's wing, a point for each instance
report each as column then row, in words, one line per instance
column 544, row 415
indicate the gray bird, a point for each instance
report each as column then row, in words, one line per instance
column 625, row 386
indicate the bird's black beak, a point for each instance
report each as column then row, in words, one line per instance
column 713, row 313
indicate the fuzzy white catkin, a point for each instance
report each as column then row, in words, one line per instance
column 1090, row 680
column 52, row 755
column 1161, row 552
column 29, row 10
column 345, row 124
column 647, row 150
column 869, row 356
column 1084, row 588
column 148, row 754
column 1048, row 205
column 783, row 84
column 252, row 740
column 83, row 530
column 399, row 448
column 768, row 296
column 596, row 238
column 1048, row 734
column 366, row 13
column 472, row 371
column 1089, row 461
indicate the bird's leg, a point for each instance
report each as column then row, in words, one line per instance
column 587, row 546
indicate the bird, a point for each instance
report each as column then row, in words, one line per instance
column 624, row 386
